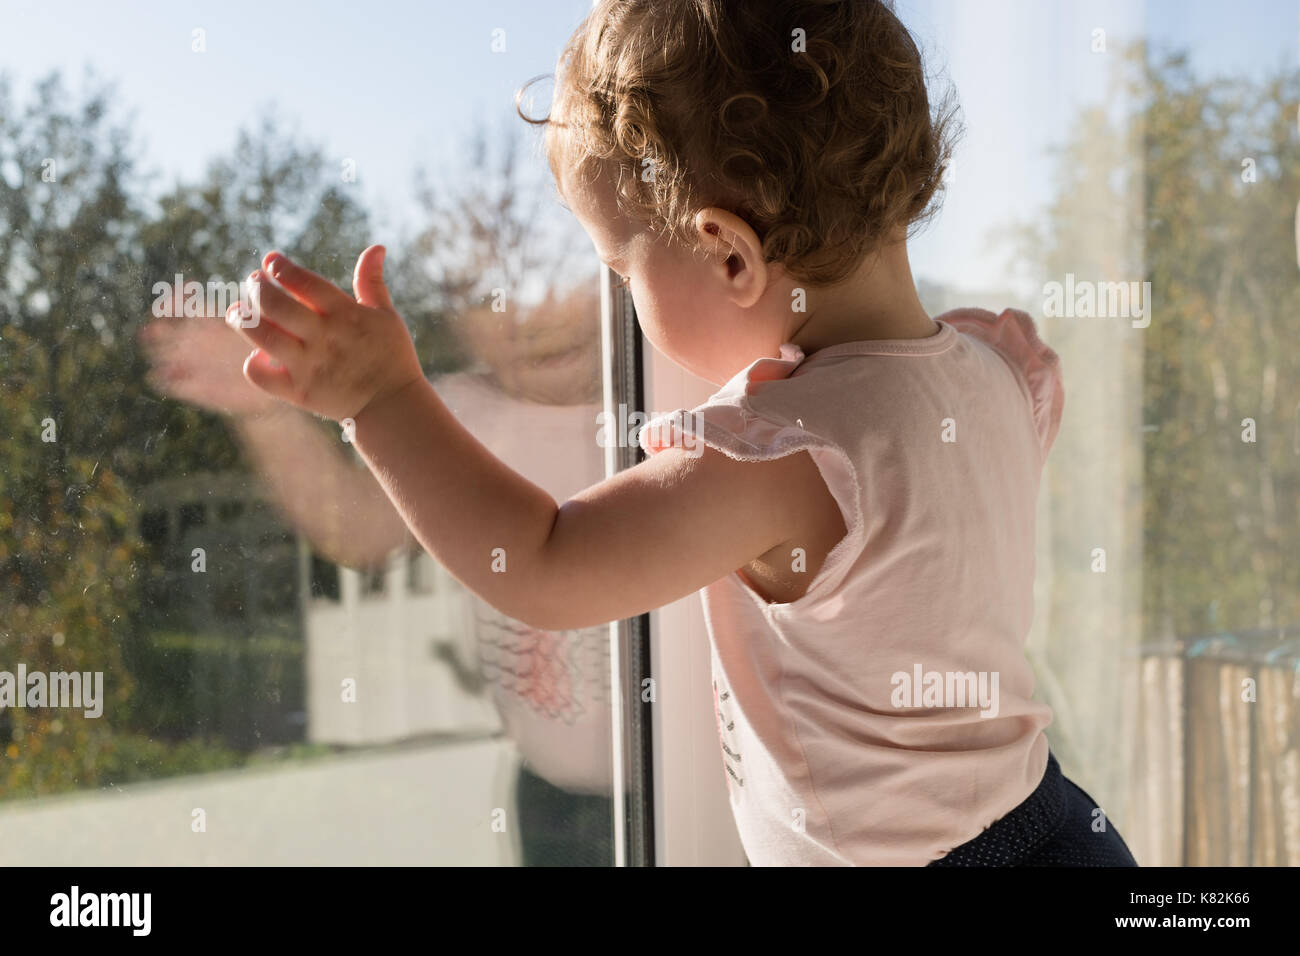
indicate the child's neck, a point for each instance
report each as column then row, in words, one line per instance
column 878, row 301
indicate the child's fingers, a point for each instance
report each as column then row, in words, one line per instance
column 266, row 334
column 268, row 375
column 284, row 310
column 368, row 279
column 314, row 291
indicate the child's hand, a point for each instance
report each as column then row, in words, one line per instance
column 319, row 349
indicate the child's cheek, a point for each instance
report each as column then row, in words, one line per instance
column 653, row 330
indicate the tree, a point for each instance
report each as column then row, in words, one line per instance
column 1189, row 184
column 66, row 542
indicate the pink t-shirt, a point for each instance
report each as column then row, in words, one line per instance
column 887, row 715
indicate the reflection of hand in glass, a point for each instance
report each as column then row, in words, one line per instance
column 201, row 361
column 341, row 509
column 548, row 353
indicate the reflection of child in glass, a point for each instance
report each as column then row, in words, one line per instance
column 862, row 520
column 534, row 405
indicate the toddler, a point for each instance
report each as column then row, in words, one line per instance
column 856, row 501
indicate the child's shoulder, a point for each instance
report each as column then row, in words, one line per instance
column 862, row 385
column 1014, row 336
column 1011, row 332
column 777, row 404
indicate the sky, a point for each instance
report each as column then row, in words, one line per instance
column 396, row 85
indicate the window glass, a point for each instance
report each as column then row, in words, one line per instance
column 274, row 671
column 1129, row 178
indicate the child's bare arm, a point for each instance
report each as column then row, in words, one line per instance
column 639, row 540
column 648, row 536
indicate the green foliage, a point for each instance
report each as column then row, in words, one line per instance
column 1150, row 187
column 230, row 685
column 68, row 544
column 81, row 255
column 1221, row 523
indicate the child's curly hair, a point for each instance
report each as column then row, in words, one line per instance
column 809, row 119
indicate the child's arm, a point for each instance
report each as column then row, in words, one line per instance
column 647, row 536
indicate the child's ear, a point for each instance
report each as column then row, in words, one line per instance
column 735, row 254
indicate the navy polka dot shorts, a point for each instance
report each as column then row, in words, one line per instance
column 1053, row 827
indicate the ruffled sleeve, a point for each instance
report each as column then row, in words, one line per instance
column 1013, row 336
column 729, row 423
